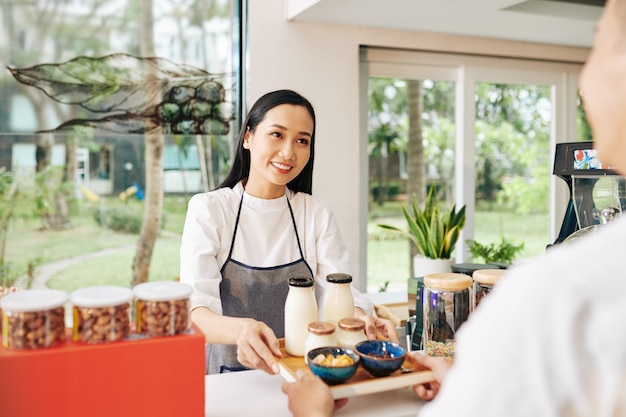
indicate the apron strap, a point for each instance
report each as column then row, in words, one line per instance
column 232, row 242
column 295, row 229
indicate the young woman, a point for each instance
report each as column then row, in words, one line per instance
column 243, row 241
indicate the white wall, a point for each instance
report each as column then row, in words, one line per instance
column 322, row 63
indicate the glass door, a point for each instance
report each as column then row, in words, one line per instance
column 482, row 131
column 513, row 166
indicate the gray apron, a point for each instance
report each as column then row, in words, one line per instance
column 253, row 292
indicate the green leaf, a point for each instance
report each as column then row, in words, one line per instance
column 114, row 82
column 434, row 232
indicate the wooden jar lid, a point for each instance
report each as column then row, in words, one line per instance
column 321, row 327
column 448, row 281
column 488, row 276
column 351, row 323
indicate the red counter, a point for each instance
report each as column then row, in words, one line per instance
column 153, row 377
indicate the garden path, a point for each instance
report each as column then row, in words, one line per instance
column 44, row 272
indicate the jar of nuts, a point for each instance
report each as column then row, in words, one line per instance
column 162, row 308
column 101, row 313
column 33, row 319
column 4, row 291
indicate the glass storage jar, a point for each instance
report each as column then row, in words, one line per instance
column 4, row 291
column 484, row 281
column 320, row 334
column 162, row 308
column 33, row 318
column 447, row 304
column 350, row 331
column 101, row 313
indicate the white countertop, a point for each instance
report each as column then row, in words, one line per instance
column 255, row 393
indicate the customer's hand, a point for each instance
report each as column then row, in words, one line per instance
column 309, row 396
column 258, row 347
column 439, row 366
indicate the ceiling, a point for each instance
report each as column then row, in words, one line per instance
column 556, row 22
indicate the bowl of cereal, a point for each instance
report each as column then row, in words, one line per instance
column 334, row 365
column 380, row 357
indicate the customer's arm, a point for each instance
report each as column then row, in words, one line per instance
column 309, row 396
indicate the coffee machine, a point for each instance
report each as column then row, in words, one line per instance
column 597, row 192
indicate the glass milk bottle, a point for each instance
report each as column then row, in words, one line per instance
column 300, row 310
column 338, row 301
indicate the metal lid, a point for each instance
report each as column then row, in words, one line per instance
column 301, row 282
column 321, row 327
column 339, row 278
column 488, row 276
column 449, row 281
column 101, row 296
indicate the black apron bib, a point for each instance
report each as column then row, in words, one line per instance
column 254, row 292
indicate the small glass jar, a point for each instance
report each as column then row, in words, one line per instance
column 484, row 281
column 162, row 308
column 101, row 314
column 320, row 334
column 447, row 305
column 350, row 331
column 33, row 318
column 338, row 300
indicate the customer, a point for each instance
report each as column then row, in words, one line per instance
column 243, row 241
column 550, row 339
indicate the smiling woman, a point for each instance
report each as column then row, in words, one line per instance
column 243, row 241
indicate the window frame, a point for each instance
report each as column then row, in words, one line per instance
column 465, row 71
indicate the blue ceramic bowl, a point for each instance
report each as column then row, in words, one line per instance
column 380, row 357
column 333, row 375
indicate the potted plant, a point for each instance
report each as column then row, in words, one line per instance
column 501, row 254
column 434, row 232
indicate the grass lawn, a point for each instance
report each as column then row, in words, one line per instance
column 27, row 243
column 116, row 269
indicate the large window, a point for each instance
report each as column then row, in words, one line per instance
column 92, row 85
column 482, row 130
column 105, row 73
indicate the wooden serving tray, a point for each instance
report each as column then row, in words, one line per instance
column 360, row 384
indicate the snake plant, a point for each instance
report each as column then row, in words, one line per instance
column 434, row 231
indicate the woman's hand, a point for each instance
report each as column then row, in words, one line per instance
column 439, row 366
column 376, row 327
column 257, row 347
column 309, row 396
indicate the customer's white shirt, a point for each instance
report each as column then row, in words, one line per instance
column 550, row 340
column 265, row 238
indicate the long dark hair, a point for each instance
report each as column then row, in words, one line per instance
column 241, row 165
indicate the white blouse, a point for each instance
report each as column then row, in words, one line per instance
column 265, row 238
